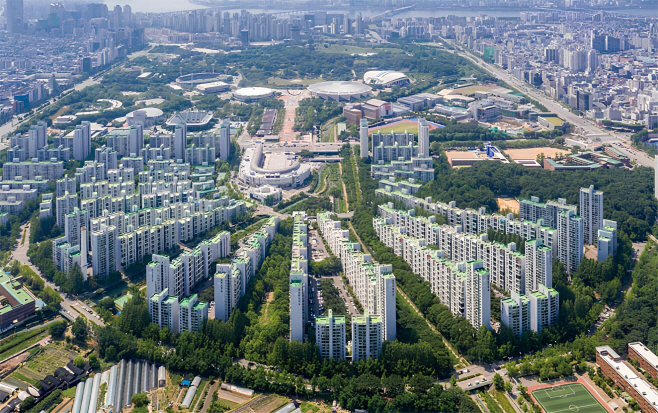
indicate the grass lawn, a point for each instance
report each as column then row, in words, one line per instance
column 19, row 342
column 21, row 377
column 490, row 402
column 309, row 407
column 410, row 127
column 70, row 392
column 503, row 401
column 337, row 48
column 568, row 397
column 231, row 405
column 277, row 81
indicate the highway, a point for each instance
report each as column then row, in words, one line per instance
column 71, row 308
column 589, row 129
column 586, row 128
column 8, row 128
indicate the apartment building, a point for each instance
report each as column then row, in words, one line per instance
column 299, row 290
column 374, row 284
column 570, row 239
column 366, row 337
column 228, row 290
column 192, row 312
column 606, row 243
column 231, row 279
column 106, row 251
column 515, row 313
column 538, row 265
column 544, row 308
column 591, row 211
column 165, row 311
column 330, row 336
column 533, row 210
column 506, row 265
column 297, row 309
column 396, row 155
column 625, row 377
column 478, row 295
column 28, row 170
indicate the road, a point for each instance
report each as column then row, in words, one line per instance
column 590, row 131
column 8, row 128
column 71, row 307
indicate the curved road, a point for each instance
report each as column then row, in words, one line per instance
column 71, row 308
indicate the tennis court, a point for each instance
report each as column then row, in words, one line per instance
column 568, row 398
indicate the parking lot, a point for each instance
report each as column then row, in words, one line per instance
column 318, row 249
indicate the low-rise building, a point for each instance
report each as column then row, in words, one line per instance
column 625, row 377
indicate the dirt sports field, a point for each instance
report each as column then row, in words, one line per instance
column 531, row 153
column 508, row 204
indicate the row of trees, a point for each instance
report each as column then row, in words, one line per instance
column 482, row 183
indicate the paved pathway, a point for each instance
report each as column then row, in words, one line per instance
column 213, row 390
column 72, row 307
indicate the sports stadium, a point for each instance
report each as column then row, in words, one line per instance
column 340, row 91
column 385, row 78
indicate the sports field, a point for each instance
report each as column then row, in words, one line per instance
column 568, row 398
column 400, row 126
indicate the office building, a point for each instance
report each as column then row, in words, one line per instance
column 16, row 302
column 14, row 15
column 330, row 336
column 367, row 337
column 591, row 211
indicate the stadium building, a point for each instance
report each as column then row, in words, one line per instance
column 385, row 78
column 340, row 91
column 275, row 169
column 252, row 94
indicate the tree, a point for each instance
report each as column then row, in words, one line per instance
column 509, row 387
column 140, row 400
column 27, row 403
column 540, row 158
column 93, row 362
column 498, row 382
column 79, row 329
column 79, row 362
column 57, row 329
column 135, row 316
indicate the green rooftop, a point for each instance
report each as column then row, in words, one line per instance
column 16, row 291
